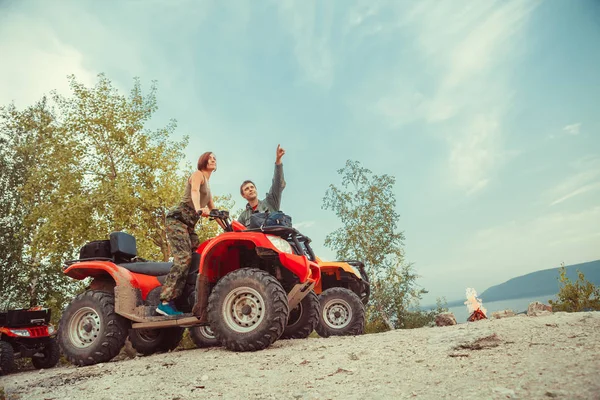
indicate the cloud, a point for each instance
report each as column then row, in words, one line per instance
column 312, row 51
column 584, row 177
column 475, row 153
column 581, row 190
column 303, row 224
column 465, row 53
column 573, row 129
column 36, row 61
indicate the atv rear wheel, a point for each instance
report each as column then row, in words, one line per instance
column 150, row 341
column 7, row 358
column 50, row 355
column 203, row 336
column 248, row 310
column 303, row 319
column 90, row 332
column 341, row 313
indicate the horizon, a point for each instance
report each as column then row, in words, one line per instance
column 485, row 112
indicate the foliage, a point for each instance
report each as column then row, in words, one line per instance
column 576, row 296
column 34, row 144
column 366, row 206
column 75, row 168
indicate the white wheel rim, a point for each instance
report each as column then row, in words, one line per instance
column 207, row 332
column 243, row 309
column 84, row 327
column 337, row 313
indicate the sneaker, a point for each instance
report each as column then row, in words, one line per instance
column 167, row 309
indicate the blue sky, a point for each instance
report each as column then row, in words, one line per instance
column 487, row 113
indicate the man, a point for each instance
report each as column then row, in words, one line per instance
column 272, row 201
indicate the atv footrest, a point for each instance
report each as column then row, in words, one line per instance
column 185, row 320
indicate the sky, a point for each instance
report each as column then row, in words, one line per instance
column 486, row 113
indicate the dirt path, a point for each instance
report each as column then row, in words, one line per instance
column 554, row 356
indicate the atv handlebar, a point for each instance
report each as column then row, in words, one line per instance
column 222, row 218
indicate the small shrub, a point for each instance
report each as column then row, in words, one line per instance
column 186, row 342
column 576, row 296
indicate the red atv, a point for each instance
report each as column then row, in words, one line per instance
column 256, row 277
column 27, row 334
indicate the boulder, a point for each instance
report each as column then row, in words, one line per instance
column 503, row 314
column 445, row 319
column 536, row 309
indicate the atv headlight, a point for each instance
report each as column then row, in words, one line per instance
column 51, row 329
column 280, row 244
column 20, row 332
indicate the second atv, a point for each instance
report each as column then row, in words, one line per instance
column 344, row 292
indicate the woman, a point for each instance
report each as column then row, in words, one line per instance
column 196, row 203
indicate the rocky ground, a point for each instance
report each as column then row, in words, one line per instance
column 545, row 357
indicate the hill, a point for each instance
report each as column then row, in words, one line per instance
column 540, row 283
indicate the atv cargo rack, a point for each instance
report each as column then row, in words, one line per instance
column 24, row 317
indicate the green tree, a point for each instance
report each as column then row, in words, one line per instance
column 35, row 145
column 575, row 296
column 131, row 174
column 366, row 206
column 74, row 169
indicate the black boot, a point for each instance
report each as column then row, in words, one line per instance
column 200, row 309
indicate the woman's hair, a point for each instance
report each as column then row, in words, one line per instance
column 203, row 160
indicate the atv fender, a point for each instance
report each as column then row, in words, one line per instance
column 128, row 299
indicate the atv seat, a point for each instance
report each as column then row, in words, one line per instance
column 148, row 267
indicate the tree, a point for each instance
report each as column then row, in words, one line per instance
column 74, row 169
column 366, row 206
column 576, row 296
column 131, row 175
column 34, row 144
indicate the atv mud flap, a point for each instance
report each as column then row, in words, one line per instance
column 298, row 292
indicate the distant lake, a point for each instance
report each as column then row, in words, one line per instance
column 517, row 305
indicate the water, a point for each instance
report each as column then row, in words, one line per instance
column 517, row 305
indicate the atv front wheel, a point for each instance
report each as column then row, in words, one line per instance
column 248, row 310
column 90, row 332
column 341, row 313
column 50, row 355
column 203, row 337
column 150, row 341
column 7, row 358
column 303, row 319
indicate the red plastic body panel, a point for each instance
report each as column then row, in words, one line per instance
column 222, row 255
column 97, row 269
column 237, row 226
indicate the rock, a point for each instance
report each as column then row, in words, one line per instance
column 503, row 314
column 536, row 309
column 445, row 319
column 204, row 378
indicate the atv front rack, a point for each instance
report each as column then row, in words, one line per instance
column 24, row 317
